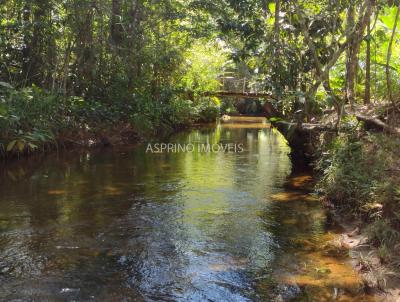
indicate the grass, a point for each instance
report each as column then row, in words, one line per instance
column 360, row 176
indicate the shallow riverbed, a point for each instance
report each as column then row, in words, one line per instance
column 130, row 225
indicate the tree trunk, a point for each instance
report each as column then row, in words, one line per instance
column 116, row 26
column 26, row 51
column 135, row 34
column 388, row 57
column 67, row 57
column 367, row 96
column 35, row 42
column 322, row 73
column 378, row 124
column 351, row 56
column 337, row 102
column 276, row 60
column 84, row 50
column 276, row 22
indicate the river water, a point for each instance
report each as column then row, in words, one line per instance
column 129, row 225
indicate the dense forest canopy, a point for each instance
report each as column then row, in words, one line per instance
column 72, row 65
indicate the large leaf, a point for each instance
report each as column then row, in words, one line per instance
column 3, row 111
column 6, row 85
column 11, row 145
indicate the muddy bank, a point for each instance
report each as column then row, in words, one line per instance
column 378, row 278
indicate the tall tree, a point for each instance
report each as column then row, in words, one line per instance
column 84, row 50
column 351, row 55
column 116, row 23
column 277, row 47
column 389, row 56
column 354, row 36
column 37, row 39
column 367, row 95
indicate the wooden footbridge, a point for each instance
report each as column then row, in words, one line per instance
column 240, row 88
column 244, row 95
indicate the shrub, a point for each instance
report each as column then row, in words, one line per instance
column 360, row 175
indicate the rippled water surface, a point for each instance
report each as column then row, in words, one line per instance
column 126, row 225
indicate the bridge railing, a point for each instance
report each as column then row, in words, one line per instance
column 241, row 85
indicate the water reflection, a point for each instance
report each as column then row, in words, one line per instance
column 123, row 224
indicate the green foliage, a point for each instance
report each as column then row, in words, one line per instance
column 115, row 54
column 205, row 62
column 78, row 67
column 382, row 234
column 275, row 119
column 359, row 176
column 348, row 176
column 207, row 109
column 31, row 118
column 84, row 65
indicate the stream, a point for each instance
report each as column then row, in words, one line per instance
column 127, row 224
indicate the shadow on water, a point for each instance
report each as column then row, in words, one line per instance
column 130, row 225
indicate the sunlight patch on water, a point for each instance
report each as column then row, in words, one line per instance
column 56, row 192
column 291, row 196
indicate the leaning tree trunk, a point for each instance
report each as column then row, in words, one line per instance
column 353, row 36
column 388, row 57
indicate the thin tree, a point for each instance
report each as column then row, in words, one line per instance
column 389, row 56
column 277, row 41
column 367, row 96
column 351, row 55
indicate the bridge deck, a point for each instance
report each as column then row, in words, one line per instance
column 252, row 95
